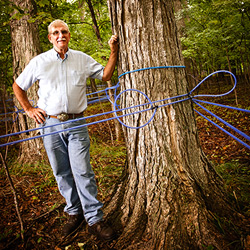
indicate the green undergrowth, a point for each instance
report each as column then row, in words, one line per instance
column 108, row 163
column 37, row 177
column 236, row 176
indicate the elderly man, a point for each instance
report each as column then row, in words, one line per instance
column 62, row 74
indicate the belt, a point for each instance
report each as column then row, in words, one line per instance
column 64, row 116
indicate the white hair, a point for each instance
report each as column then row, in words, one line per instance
column 56, row 23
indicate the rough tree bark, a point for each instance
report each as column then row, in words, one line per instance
column 170, row 195
column 25, row 45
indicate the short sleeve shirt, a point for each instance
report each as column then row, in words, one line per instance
column 62, row 82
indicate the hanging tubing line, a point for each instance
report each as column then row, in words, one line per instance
column 90, row 100
column 193, row 98
column 152, row 105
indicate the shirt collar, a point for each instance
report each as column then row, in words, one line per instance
column 58, row 56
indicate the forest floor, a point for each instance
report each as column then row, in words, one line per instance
column 41, row 205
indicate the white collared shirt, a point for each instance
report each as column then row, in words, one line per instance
column 62, row 82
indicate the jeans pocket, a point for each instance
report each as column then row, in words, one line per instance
column 42, row 125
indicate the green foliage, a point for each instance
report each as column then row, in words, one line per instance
column 237, row 182
column 35, row 169
column 214, row 30
column 5, row 233
column 108, row 163
column 5, row 46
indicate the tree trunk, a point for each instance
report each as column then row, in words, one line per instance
column 97, row 32
column 231, row 78
column 96, row 28
column 93, row 86
column 116, row 122
column 180, row 23
column 25, row 45
column 170, row 196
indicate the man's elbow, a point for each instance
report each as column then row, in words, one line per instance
column 14, row 86
column 106, row 78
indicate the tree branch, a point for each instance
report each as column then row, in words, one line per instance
column 15, row 195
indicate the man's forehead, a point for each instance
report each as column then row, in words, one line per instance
column 59, row 27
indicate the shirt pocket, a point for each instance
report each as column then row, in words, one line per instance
column 77, row 78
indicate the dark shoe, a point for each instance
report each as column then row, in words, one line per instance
column 74, row 221
column 102, row 231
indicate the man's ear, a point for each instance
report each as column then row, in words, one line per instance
column 49, row 37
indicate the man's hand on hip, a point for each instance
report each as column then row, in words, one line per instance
column 37, row 114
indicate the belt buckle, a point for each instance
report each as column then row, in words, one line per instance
column 63, row 117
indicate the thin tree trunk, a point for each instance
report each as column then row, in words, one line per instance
column 93, row 85
column 180, row 23
column 244, row 69
column 170, row 194
column 96, row 28
column 231, row 78
column 97, row 32
column 117, row 123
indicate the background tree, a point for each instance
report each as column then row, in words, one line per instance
column 25, row 45
column 109, row 83
column 5, row 46
column 170, row 196
column 179, row 5
column 5, row 70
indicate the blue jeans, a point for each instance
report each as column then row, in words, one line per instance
column 68, row 153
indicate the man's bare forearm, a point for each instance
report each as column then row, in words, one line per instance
column 21, row 97
column 110, row 67
column 37, row 114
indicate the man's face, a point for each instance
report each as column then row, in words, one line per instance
column 59, row 36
